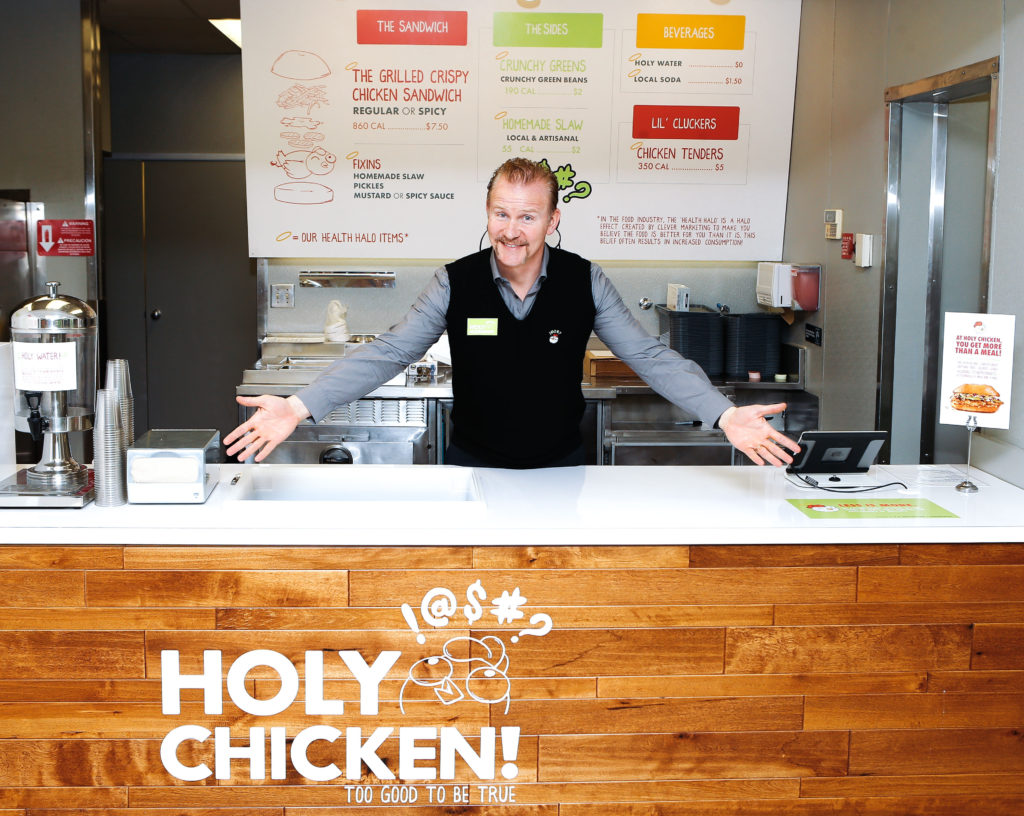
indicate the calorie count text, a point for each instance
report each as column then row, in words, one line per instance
column 516, row 90
column 659, row 165
column 435, row 127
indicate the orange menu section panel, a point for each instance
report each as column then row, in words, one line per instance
column 417, row 27
column 719, row 122
column 719, row 31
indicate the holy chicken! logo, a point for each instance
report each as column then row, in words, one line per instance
column 467, row 668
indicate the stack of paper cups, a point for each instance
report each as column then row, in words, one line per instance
column 110, row 483
column 120, row 383
column 7, row 408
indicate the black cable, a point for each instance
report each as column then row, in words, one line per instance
column 813, row 484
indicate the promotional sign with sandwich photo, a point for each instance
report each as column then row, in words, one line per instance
column 977, row 369
column 975, row 397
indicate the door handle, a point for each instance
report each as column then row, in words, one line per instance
column 156, row 314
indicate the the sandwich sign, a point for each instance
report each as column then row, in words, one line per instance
column 977, row 370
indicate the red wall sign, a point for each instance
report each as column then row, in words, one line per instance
column 848, row 245
column 387, row 27
column 686, row 122
column 66, row 237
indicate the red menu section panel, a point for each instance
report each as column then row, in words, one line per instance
column 388, row 27
column 71, row 238
column 686, row 122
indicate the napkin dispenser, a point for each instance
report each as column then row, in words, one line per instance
column 789, row 286
column 173, row 466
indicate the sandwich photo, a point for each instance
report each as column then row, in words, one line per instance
column 977, row 398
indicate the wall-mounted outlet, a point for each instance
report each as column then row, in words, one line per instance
column 282, row 295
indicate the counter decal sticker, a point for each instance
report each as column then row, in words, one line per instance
column 465, row 669
column 870, row 509
column 373, row 133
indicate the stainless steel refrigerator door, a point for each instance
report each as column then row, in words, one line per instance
column 21, row 275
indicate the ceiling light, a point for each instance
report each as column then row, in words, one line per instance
column 232, row 29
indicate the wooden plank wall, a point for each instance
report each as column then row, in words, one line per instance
column 675, row 681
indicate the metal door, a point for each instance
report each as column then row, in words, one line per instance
column 21, row 270
column 180, row 289
column 938, row 223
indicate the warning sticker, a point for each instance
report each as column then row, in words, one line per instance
column 70, row 238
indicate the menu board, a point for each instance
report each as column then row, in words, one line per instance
column 371, row 131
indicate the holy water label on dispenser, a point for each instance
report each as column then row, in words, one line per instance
column 45, row 366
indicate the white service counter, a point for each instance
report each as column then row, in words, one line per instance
column 412, row 505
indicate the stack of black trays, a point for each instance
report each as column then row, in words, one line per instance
column 698, row 335
column 753, row 342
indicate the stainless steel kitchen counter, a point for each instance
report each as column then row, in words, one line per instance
column 258, row 381
column 626, row 421
column 292, row 361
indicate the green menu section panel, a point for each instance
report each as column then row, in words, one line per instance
column 518, row 30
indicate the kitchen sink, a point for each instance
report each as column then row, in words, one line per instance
column 378, row 489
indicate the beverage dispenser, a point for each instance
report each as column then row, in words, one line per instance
column 54, row 344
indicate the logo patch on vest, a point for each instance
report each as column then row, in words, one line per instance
column 553, row 335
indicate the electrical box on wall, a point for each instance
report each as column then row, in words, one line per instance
column 833, row 224
column 865, row 249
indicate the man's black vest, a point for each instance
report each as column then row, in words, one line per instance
column 517, row 396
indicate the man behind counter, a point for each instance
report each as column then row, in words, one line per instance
column 522, row 306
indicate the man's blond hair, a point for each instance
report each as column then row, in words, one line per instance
column 524, row 171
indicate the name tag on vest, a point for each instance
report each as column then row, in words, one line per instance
column 481, row 327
